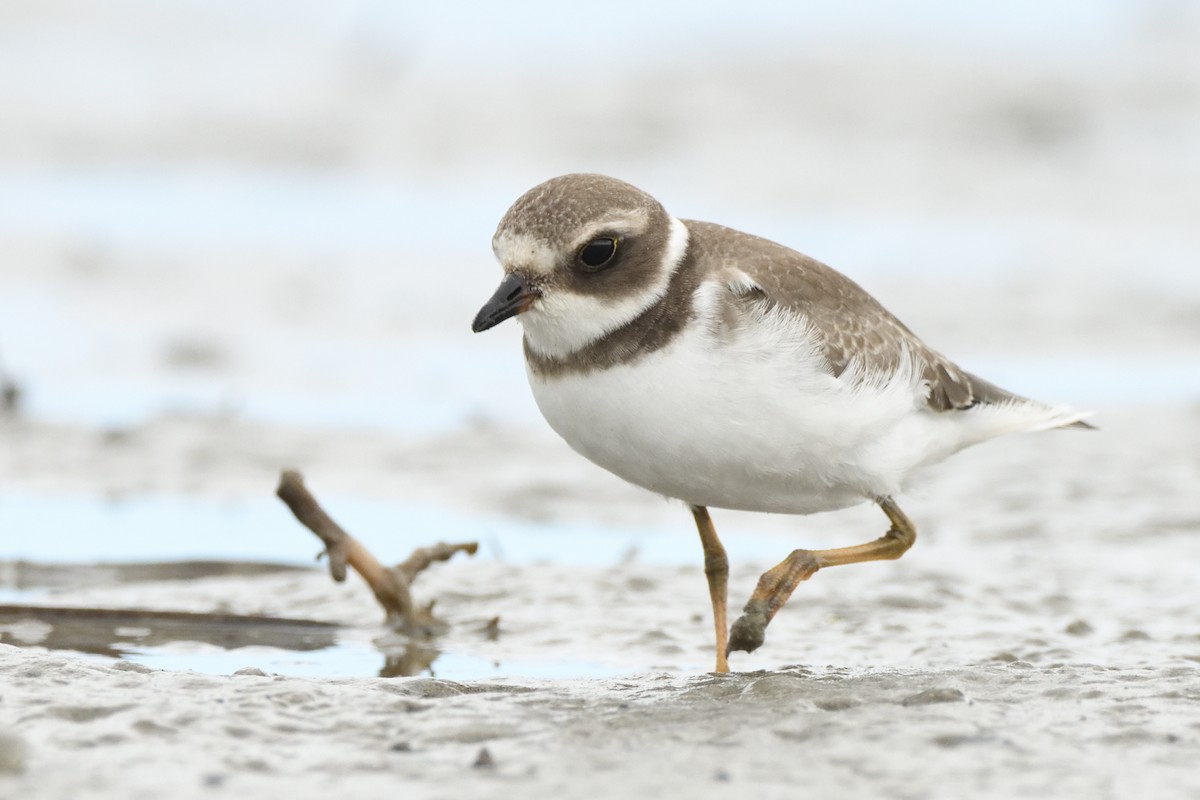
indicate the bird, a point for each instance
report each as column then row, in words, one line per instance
column 725, row 370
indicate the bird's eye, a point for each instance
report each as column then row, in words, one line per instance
column 598, row 252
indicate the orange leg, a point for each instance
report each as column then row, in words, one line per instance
column 777, row 584
column 716, row 569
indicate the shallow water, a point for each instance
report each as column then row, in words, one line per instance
column 132, row 529
column 271, row 646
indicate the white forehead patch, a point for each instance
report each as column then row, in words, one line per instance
column 523, row 251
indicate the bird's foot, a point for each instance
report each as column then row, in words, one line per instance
column 749, row 631
column 774, row 588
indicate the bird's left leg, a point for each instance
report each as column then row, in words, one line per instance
column 716, row 569
column 777, row 584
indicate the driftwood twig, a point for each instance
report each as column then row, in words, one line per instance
column 390, row 584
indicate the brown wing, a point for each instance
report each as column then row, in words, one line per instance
column 853, row 326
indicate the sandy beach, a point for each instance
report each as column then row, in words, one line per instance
column 240, row 241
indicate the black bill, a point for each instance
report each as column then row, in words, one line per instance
column 511, row 298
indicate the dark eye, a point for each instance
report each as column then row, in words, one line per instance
column 598, row 252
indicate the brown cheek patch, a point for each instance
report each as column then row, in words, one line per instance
column 653, row 329
column 636, row 266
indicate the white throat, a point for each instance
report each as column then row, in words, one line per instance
column 565, row 322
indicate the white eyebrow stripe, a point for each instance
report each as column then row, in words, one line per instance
column 632, row 223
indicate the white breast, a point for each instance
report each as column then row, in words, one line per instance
column 748, row 419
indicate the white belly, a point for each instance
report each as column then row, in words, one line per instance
column 734, row 424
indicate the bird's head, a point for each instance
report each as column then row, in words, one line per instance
column 582, row 255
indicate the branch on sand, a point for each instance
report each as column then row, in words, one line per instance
column 391, row 585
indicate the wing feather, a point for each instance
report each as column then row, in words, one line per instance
column 860, row 338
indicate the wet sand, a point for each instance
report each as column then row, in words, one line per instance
column 1042, row 639
column 992, row 730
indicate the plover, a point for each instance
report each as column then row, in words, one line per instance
column 725, row 370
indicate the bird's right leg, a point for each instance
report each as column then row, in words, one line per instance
column 716, row 569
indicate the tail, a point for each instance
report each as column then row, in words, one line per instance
column 1060, row 417
column 968, row 410
column 1021, row 414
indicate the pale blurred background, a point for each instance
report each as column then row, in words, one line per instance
column 278, row 214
